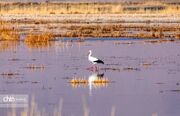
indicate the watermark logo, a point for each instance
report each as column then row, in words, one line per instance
column 13, row 100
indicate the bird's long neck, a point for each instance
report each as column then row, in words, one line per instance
column 90, row 53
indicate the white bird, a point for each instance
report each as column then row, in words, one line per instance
column 94, row 60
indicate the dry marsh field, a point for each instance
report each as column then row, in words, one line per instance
column 7, row 32
column 54, row 8
column 140, row 20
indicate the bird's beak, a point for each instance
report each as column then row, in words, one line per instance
column 87, row 53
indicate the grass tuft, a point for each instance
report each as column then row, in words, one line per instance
column 38, row 38
column 8, row 33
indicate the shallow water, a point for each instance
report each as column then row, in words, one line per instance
column 144, row 77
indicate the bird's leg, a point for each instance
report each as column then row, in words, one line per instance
column 96, row 68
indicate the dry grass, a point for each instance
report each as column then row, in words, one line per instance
column 8, row 33
column 160, row 41
column 35, row 67
column 178, row 36
column 94, row 31
column 119, row 30
column 84, row 81
column 80, row 82
column 83, row 8
column 39, row 41
column 9, row 74
column 59, row 8
column 39, row 38
column 34, row 110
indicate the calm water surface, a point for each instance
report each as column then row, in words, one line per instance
column 144, row 77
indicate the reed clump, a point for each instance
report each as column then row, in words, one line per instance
column 98, row 83
column 177, row 36
column 8, row 33
column 35, row 67
column 39, row 38
column 84, row 81
column 79, row 81
column 9, row 74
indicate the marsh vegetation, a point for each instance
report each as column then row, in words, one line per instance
column 43, row 49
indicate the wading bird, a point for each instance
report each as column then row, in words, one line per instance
column 94, row 60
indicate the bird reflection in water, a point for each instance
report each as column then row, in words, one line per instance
column 95, row 81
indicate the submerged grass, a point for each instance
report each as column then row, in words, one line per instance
column 38, row 45
column 9, row 74
column 35, row 67
column 8, row 46
column 34, row 110
column 81, row 82
column 85, row 81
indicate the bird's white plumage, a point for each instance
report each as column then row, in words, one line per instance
column 91, row 58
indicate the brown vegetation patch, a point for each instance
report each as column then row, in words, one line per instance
column 38, row 38
column 79, row 82
column 35, row 67
column 9, row 74
column 178, row 36
column 13, row 59
column 119, row 30
column 8, row 33
column 88, row 7
column 111, row 69
column 131, row 69
column 160, row 41
column 94, row 31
